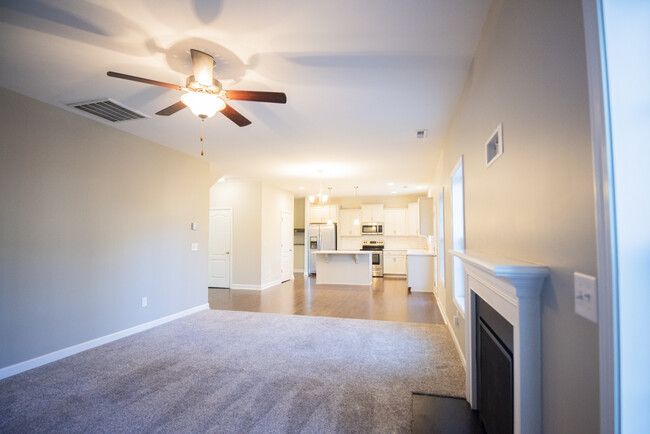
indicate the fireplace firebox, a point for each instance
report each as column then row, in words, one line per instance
column 495, row 370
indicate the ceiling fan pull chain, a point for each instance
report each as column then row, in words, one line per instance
column 202, row 129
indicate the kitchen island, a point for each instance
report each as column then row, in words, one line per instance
column 344, row 267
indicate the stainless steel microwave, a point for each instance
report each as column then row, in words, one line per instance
column 372, row 229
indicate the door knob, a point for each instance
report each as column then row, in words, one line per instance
column 227, row 253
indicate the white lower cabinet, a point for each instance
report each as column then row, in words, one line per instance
column 395, row 262
column 421, row 270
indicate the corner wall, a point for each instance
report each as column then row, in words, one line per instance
column 245, row 200
column 274, row 202
column 92, row 220
column 256, row 229
column 536, row 202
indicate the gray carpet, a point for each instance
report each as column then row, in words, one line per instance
column 223, row 371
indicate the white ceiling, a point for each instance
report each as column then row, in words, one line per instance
column 361, row 77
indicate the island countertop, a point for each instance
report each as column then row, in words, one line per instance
column 344, row 267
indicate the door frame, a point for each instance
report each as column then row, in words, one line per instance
column 289, row 215
column 230, row 260
column 607, row 283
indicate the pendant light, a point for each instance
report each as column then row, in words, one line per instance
column 322, row 198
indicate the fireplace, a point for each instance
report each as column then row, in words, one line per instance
column 511, row 289
column 495, row 370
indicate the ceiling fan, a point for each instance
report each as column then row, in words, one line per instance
column 204, row 95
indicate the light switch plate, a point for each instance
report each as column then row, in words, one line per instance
column 586, row 303
column 195, row 247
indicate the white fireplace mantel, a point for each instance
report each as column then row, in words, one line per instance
column 513, row 289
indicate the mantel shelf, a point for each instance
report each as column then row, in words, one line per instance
column 522, row 275
column 513, row 289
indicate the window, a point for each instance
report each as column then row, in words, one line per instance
column 441, row 238
column 458, row 231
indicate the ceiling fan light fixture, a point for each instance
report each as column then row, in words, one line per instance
column 203, row 105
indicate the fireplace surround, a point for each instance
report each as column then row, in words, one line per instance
column 512, row 288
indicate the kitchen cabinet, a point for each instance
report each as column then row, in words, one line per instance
column 395, row 262
column 395, row 221
column 372, row 213
column 319, row 214
column 413, row 217
column 347, row 228
column 421, row 270
column 425, row 211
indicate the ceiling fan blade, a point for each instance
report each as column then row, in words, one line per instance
column 142, row 80
column 251, row 95
column 235, row 116
column 203, row 65
column 180, row 105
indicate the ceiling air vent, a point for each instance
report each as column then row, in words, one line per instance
column 109, row 109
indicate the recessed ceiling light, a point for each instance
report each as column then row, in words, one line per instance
column 393, row 192
column 301, row 188
column 390, row 184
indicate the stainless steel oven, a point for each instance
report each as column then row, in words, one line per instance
column 377, row 248
column 372, row 229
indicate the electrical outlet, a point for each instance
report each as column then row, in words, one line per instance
column 456, row 319
column 195, row 247
column 144, row 301
column 585, row 300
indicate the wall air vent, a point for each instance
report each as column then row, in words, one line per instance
column 109, row 109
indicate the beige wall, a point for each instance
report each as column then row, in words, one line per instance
column 535, row 202
column 274, row 202
column 299, row 213
column 92, row 219
column 244, row 198
column 256, row 228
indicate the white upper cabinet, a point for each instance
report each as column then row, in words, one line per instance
column 347, row 226
column 425, row 206
column 373, row 213
column 413, row 226
column 395, row 221
column 319, row 214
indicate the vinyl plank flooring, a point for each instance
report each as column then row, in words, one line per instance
column 387, row 299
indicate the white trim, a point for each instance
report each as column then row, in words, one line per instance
column 513, row 289
column 453, row 336
column 255, row 287
column 69, row 351
column 605, row 234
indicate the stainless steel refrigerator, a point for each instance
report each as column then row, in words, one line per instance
column 321, row 237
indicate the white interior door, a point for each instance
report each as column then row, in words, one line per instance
column 219, row 254
column 286, row 250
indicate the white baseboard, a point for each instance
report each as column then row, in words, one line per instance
column 270, row 284
column 453, row 335
column 255, row 287
column 69, row 351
